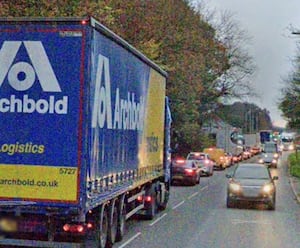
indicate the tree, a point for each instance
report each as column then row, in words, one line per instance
column 231, row 80
column 289, row 103
column 181, row 42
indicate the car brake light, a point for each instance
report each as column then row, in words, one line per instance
column 83, row 22
column 148, row 199
column 180, row 161
column 189, row 171
column 74, row 228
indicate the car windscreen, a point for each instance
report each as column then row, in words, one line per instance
column 251, row 172
column 270, row 148
column 196, row 157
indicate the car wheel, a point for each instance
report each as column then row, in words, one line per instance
column 193, row 181
column 272, row 203
column 198, row 180
column 229, row 202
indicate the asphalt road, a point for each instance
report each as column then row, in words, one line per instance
column 197, row 217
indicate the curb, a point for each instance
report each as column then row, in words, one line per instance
column 291, row 179
column 294, row 189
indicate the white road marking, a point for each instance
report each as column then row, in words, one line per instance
column 179, row 204
column 130, row 240
column 204, row 188
column 158, row 219
column 193, row 195
column 239, row 221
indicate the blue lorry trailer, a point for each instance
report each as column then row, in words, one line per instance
column 85, row 134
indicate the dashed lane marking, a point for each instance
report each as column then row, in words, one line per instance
column 193, row 195
column 179, row 204
column 130, row 240
column 158, row 219
column 239, row 221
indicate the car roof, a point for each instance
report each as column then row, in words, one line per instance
column 184, row 162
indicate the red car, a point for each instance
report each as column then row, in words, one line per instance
column 185, row 171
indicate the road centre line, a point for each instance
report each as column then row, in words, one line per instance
column 205, row 187
column 158, row 219
column 179, row 204
column 193, row 195
column 130, row 240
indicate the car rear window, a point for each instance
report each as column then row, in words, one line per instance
column 196, row 156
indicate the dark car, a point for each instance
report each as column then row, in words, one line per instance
column 251, row 183
column 185, row 171
column 270, row 155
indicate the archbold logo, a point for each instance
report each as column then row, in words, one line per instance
column 40, row 67
column 22, row 75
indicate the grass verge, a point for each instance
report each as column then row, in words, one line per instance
column 294, row 162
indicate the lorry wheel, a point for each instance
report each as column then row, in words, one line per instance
column 112, row 223
column 121, row 227
column 152, row 207
column 103, row 227
column 163, row 201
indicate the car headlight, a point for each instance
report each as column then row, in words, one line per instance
column 291, row 147
column 261, row 161
column 268, row 188
column 234, row 187
column 274, row 161
column 276, row 155
column 281, row 147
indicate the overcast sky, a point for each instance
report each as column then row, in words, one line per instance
column 267, row 22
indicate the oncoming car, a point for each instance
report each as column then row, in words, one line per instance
column 270, row 155
column 185, row 171
column 251, row 183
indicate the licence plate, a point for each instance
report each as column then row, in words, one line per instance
column 177, row 177
column 251, row 192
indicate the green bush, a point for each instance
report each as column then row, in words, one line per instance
column 294, row 162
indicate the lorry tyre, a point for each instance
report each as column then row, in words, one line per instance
column 121, row 227
column 103, row 227
column 163, row 201
column 112, row 223
column 152, row 206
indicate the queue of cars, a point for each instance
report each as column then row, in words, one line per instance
column 196, row 164
column 248, row 183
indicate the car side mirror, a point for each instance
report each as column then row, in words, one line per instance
column 275, row 178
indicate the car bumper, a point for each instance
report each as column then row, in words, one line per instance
column 256, row 199
column 204, row 171
column 186, row 178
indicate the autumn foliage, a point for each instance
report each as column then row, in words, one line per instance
column 169, row 32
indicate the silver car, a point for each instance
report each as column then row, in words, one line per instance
column 251, row 183
column 203, row 161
